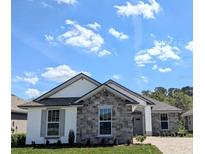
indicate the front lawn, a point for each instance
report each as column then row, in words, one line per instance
column 122, row 149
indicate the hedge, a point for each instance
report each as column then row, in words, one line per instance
column 18, row 140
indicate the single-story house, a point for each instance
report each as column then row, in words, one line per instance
column 96, row 111
column 18, row 115
column 188, row 120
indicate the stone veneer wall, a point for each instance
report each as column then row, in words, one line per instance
column 173, row 122
column 87, row 119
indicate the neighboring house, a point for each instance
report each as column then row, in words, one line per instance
column 95, row 111
column 18, row 116
column 188, row 120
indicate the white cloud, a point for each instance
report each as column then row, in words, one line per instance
column 32, row 93
column 83, row 37
column 60, row 73
column 142, row 59
column 70, row 22
column 144, row 79
column 116, row 77
column 94, row 26
column 68, row 2
column 104, row 53
column 161, row 50
column 164, row 70
column 154, row 67
column 50, row 39
column 160, row 69
column 28, row 77
column 118, row 35
column 44, row 4
column 152, row 35
column 189, row 46
column 147, row 10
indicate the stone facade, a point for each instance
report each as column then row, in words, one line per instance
column 87, row 119
column 173, row 120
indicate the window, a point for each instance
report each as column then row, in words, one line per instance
column 164, row 121
column 53, row 123
column 105, row 120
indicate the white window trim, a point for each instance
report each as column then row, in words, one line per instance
column 49, row 136
column 104, row 107
column 164, row 121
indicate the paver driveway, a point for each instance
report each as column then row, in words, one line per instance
column 172, row 145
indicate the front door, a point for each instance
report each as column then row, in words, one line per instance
column 137, row 124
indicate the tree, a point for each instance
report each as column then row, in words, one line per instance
column 171, row 91
column 146, row 92
column 181, row 98
column 161, row 90
column 182, row 101
column 187, row 90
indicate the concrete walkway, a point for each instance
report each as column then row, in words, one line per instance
column 172, row 145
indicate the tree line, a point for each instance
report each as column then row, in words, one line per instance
column 179, row 97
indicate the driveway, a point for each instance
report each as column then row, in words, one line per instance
column 172, row 145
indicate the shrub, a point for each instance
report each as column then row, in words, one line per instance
column 47, row 142
column 102, row 141
column 173, row 134
column 13, row 140
column 140, row 138
column 128, row 141
column 18, row 140
column 181, row 131
column 71, row 137
column 115, row 141
column 163, row 133
column 168, row 133
column 88, row 142
column 158, row 133
column 21, row 139
column 59, row 142
column 33, row 143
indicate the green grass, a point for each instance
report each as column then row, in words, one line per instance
column 122, row 149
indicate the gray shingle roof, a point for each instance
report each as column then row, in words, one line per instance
column 161, row 106
column 15, row 101
column 188, row 113
column 65, row 101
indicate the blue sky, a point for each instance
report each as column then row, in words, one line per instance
column 140, row 44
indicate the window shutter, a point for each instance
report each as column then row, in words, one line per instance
column 43, row 122
column 62, row 122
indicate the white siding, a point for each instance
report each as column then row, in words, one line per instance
column 142, row 102
column 34, row 125
column 148, row 120
column 76, row 89
column 70, row 122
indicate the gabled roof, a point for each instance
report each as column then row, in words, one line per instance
column 43, row 100
column 130, row 91
column 66, row 83
column 161, row 106
column 67, row 101
column 15, row 101
column 105, row 86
